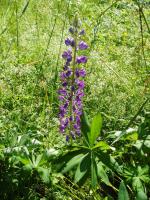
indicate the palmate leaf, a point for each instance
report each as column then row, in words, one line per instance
column 123, row 193
column 95, row 129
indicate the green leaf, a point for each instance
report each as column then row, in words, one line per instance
column 141, row 195
column 137, row 184
column 44, row 174
column 85, row 125
column 123, row 193
column 28, row 167
column 23, row 139
column 95, row 129
column 103, row 145
column 109, row 161
column 102, row 174
column 82, row 168
column 73, row 162
column 24, row 160
column 67, row 156
column 38, row 160
column 93, row 172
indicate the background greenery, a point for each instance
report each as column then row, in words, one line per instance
column 32, row 37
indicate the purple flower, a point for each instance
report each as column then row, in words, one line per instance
column 67, row 55
column 68, row 73
column 78, row 120
column 78, row 132
column 70, row 42
column 67, row 138
column 71, row 30
column 66, row 104
column 62, row 92
column 76, row 126
column 73, row 88
column 81, row 59
column 70, row 118
column 82, row 45
column 80, row 84
column 62, row 112
column 80, row 93
column 62, row 129
column 64, row 122
column 80, row 73
column 62, row 76
column 61, row 98
column 64, row 84
column 82, row 32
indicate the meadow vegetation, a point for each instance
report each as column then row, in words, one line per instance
column 111, row 159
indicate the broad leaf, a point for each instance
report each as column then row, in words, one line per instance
column 82, row 168
column 123, row 193
column 93, row 172
column 102, row 174
column 63, row 159
column 141, row 195
column 109, row 161
column 137, row 184
column 44, row 174
column 103, row 145
column 95, row 129
column 73, row 162
column 85, row 125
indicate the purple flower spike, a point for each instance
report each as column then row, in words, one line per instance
column 82, row 45
column 72, row 85
column 81, row 59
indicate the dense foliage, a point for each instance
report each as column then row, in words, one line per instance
column 111, row 158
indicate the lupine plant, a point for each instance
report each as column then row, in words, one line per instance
column 89, row 157
column 72, row 83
